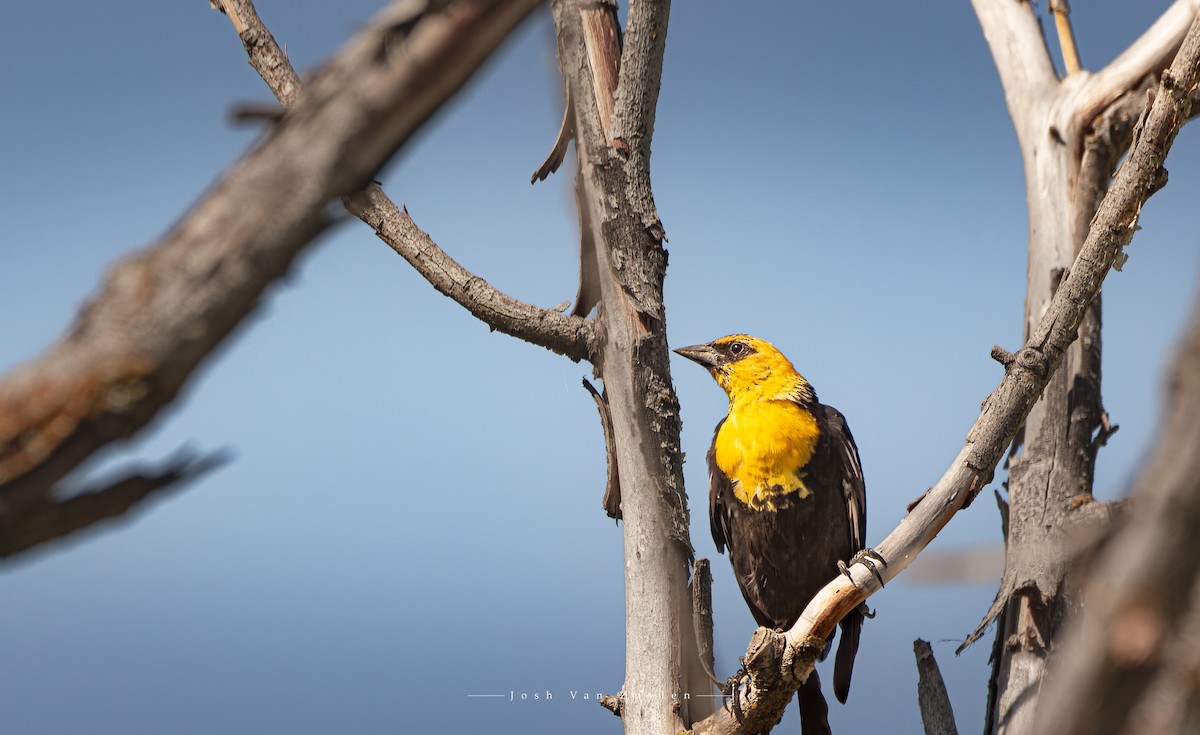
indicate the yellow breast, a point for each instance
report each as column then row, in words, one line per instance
column 763, row 447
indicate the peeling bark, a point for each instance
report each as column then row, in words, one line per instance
column 613, row 191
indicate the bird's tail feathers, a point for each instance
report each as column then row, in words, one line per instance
column 843, row 664
column 814, row 711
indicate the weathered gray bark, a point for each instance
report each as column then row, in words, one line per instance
column 614, row 103
column 563, row 334
column 1071, row 132
column 937, row 715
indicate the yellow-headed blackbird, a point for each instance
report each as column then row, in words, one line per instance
column 786, row 497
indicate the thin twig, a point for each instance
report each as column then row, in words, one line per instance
column 1066, row 35
column 53, row 519
column 566, row 334
column 702, row 616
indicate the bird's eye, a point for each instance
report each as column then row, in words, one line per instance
column 736, row 348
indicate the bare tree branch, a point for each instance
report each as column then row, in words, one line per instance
column 50, row 519
column 568, row 335
column 565, row 334
column 1027, row 75
column 161, row 311
column 266, row 56
column 662, row 663
column 936, row 713
column 1026, row 375
column 702, row 617
column 633, row 119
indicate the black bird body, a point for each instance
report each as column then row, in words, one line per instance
column 787, row 497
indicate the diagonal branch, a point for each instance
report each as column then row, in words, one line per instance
column 163, row 310
column 565, row 334
column 1026, row 375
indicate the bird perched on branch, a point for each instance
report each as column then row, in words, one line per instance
column 786, row 497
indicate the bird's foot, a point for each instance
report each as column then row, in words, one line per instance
column 867, row 557
column 732, row 690
column 731, row 685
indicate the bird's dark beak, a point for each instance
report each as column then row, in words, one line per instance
column 703, row 355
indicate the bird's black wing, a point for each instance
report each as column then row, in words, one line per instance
column 718, row 486
column 844, row 454
column 854, row 488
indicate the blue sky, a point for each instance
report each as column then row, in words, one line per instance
column 413, row 509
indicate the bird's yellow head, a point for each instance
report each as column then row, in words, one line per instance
column 750, row 369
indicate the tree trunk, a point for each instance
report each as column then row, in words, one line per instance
column 624, row 239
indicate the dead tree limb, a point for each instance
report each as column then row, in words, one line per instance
column 624, row 239
column 1004, row 411
column 937, row 716
column 53, row 518
column 1071, row 132
column 162, row 311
